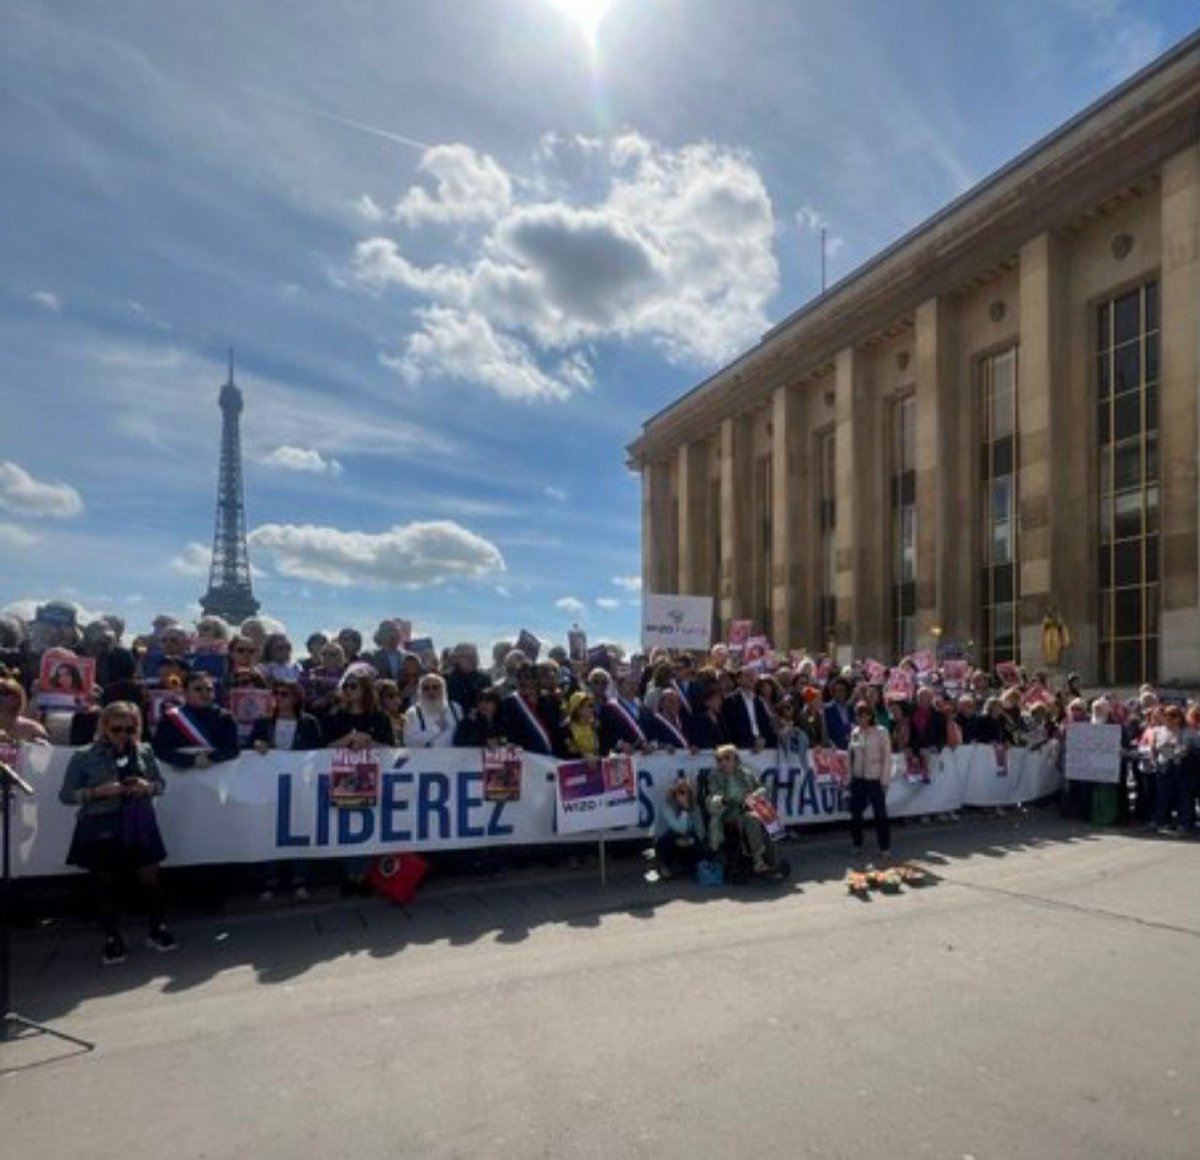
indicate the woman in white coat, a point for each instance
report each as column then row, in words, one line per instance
column 870, row 775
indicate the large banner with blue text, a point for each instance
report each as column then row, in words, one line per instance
column 259, row 808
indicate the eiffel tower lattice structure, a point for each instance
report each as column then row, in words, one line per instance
column 229, row 594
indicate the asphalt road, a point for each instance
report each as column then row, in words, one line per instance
column 1041, row 1000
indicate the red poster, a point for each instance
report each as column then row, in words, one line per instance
column 65, row 680
column 830, row 765
column 354, row 778
column 502, row 774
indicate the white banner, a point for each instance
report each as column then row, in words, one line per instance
column 1093, row 753
column 277, row 806
column 681, row 622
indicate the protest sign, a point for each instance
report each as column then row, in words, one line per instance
column 502, row 774
column 354, row 778
column 676, row 622
column 901, row 684
column 831, row 766
column 576, row 644
column 924, row 662
column 874, row 672
column 739, row 632
column 1093, row 753
column 404, row 628
column 1007, row 672
column 65, row 681
column 954, row 673
column 597, row 794
column 420, row 646
column 757, row 650
column 247, row 706
column 529, row 644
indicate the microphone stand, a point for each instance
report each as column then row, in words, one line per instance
column 12, row 1025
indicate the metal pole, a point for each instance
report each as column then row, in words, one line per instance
column 603, row 864
column 822, row 259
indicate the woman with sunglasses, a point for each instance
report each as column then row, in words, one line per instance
column 288, row 726
column 358, row 722
column 114, row 782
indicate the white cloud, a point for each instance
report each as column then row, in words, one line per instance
column 675, row 250
column 468, row 187
column 302, row 459
column 12, row 536
column 607, row 602
column 411, row 555
column 628, row 583
column 570, row 604
column 194, row 560
column 814, row 222
column 47, row 300
column 556, row 493
column 21, row 493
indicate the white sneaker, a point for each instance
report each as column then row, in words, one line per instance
column 267, row 896
column 301, row 893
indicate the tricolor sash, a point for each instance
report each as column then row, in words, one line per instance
column 629, row 719
column 535, row 721
column 682, row 741
column 178, row 717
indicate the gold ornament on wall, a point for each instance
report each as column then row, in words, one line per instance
column 1056, row 636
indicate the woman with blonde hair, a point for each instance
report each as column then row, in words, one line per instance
column 114, row 782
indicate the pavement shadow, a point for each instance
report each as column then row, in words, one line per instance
column 57, row 968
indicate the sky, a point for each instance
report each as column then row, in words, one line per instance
column 462, row 250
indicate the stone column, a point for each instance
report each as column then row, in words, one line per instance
column 946, row 507
column 736, row 518
column 656, row 496
column 1179, row 297
column 862, row 575
column 694, row 520
column 791, row 515
column 1052, row 490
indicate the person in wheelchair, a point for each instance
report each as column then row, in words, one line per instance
column 731, row 789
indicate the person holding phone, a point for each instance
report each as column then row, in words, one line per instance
column 114, row 782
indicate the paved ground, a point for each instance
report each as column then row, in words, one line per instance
column 1041, row 1000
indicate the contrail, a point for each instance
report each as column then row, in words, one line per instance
column 386, row 134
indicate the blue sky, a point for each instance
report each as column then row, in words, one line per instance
column 462, row 250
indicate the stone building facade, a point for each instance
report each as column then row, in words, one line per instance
column 992, row 423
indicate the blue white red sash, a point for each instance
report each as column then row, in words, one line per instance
column 628, row 718
column 178, row 717
column 535, row 721
column 679, row 737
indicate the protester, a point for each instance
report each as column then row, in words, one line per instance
column 580, row 738
column 288, row 726
column 431, row 720
column 530, row 720
column 277, row 663
column 15, row 725
column 113, row 783
column 747, row 720
column 481, row 727
column 681, row 844
column 730, row 787
column 357, row 722
column 870, row 775
column 197, row 734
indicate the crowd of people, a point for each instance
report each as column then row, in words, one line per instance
column 192, row 696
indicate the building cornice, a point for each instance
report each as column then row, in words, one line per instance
column 1115, row 143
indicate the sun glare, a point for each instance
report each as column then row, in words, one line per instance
column 585, row 14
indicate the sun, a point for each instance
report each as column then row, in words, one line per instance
column 585, row 14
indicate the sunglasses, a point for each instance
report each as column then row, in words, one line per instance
column 122, row 730
column 200, row 688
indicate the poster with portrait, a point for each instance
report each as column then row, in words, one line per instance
column 875, row 672
column 954, row 674
column 65, row 681
column 758, row 651
column 924, row 662
column 595, row 795
column 1008, row 674
column 901, row 685
column 830, row 766
column 739, row 632
column 577, row 644
column 354, row 778
column 248, row 706
column 502, row 774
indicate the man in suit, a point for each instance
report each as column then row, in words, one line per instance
column 747, row 722
column 528, row 720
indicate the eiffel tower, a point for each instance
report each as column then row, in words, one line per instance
column 229, row 594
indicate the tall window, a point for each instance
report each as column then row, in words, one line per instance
column 762, row 541
column 1127, row 431
column 998, row 470
column 904, row 525
column 826, row 528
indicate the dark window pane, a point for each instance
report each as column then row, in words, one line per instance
column 1152, row 358
column 1102, row 327
column 1126, row 317
column 1128, row 620
column 1152, row 408
column 1106, row 615
column 1151, row 457
column 1002, row 627
column 1106, row 519
column 908, row 487
column 1151, row 560
column 1105, row 567
column 1127, row 514
column 1152, row 610
column 908, row 599
column 1152, row 509
column 1128, row 557
column 1127, row 371
column 1128, row 465
column 1127, row 662
column 1151, row 662
column 1127, row 415
column 1003, row 456
column 1151, row 305
column 1103, row 417
column 1002, row 578
column 1104, row 375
